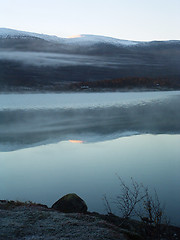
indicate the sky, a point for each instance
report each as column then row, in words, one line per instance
column 142, row 20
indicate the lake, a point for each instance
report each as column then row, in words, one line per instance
column 53, row 144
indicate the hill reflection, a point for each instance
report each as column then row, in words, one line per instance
column 22, row 128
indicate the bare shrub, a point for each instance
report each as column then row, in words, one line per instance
column 135, row 200
column 129, row 197
column 152, row 214
column 107, row 204
column 152, row 211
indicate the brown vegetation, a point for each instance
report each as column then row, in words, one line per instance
column 128, row 82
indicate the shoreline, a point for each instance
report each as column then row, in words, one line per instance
column 27, row 220
column 91, row 90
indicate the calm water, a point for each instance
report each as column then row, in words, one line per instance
column 132, row 134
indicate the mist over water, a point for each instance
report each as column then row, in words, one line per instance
column 36, row 119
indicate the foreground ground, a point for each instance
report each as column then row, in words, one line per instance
column 37, row 223
column 27, row 221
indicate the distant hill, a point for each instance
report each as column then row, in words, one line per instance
column 38, row 61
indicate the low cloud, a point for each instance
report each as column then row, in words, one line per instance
column 57, row 59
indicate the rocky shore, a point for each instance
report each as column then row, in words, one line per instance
column 30, row 221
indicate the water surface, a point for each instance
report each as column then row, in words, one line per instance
column 132, row 134
column 34, row 119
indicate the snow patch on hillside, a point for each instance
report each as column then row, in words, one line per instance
column 83, row 39
column 11, row 33
column 87, row 39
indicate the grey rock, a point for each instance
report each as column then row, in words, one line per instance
column 70, row 203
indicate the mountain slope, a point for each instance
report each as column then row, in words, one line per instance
column 83, row 39
column 38, row 60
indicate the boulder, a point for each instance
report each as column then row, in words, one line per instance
column 70, row 203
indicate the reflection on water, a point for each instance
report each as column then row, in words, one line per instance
column 95, row 122
column 76, row 141
column 45, row 173
column 23, row 127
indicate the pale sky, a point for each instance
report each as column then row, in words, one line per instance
column 124, row 19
